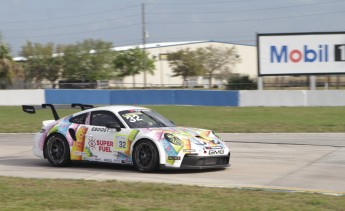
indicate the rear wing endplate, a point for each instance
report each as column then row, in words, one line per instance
column 30, row 109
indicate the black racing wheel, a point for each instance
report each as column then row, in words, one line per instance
column 145, row 156
column 57, row 151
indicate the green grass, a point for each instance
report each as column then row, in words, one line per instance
column 44, row 194
column 220, row 119
column 259, row 119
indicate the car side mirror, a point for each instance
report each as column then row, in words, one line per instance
column 114, row 125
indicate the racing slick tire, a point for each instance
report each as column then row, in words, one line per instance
column 57, row 151
column 145, row 156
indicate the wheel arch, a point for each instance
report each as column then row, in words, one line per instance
column 160, row 149
column 46, row 140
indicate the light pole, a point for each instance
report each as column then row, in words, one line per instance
column 144, row 40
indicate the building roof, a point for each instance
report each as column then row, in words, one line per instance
column 156, row 45
column 147, row 46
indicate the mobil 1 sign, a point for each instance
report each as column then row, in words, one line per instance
column 301, row 54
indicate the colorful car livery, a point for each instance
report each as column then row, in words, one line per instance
column 127, row 135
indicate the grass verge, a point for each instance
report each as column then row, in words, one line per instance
column 44, row 194
column 220, row 119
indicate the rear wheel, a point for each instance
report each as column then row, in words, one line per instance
column 57, row 151
column 145, row 156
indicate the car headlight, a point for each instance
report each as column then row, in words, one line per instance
column 217, row 136
column 173, row 139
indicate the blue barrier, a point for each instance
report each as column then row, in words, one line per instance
column 207, row 98
column 144, row 97
column 66, row 96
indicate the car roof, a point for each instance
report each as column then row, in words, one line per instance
column 112, row 108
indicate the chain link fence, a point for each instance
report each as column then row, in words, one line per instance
column 269, row 83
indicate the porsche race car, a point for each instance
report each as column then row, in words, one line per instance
column 126, row 135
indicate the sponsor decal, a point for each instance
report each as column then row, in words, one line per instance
column 283, row 54
column 88, row 152
column 92, row 143
column 126, row 161
column 104, row 146
column 168, row 148
column 339, row 53
column 116, row 161
column 122, row 157
column 120, row 142
column 107, row 160
column 133, row 117
column 100, row 129
column 90, row 158
column 189, row 150
column 174, row 158
column 214, row 147
column 216, row 152
column 307, row 54
column 78, row 145
column 77, row 153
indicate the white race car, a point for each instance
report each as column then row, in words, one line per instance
column 127, row 135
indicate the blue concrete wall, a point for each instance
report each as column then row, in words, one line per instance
column 66, row 96
column 144, row 97
column 207, row 98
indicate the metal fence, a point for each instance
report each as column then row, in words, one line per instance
column 269, row 83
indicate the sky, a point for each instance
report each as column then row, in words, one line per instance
column 120, row 21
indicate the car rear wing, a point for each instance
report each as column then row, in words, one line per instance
column 31, row 109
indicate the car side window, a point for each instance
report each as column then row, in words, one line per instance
column 80, row 119
column 100, row 118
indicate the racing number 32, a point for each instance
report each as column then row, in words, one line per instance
column 121, row 142
column 134, row 118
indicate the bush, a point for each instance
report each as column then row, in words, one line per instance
column 241, row 82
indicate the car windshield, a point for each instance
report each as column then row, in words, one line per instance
column 144, row 119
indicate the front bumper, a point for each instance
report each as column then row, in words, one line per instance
column 204, row 162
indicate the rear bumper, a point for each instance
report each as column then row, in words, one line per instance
column 36, row 149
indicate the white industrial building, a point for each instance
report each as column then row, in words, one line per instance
column 162, row 76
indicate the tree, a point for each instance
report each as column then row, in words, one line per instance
column 8, row 68
column 241, row 82
column 217, row 60
column 88, row 60
column 185, row 63
column 129, row 63
column 43, row 61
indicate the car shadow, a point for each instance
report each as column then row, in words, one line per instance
column 96, row 166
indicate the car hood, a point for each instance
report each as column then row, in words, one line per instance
column 187, row 136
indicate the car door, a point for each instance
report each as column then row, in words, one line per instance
column 107, row 144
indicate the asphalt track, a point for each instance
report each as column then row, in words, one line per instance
column 312, row 162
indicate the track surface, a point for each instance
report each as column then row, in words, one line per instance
column 306, row 162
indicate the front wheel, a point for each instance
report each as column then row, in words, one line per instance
column 145, row 156
column 57, row 151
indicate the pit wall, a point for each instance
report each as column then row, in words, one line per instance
column 292, row 98
column 20, row 97
column 175, row 97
